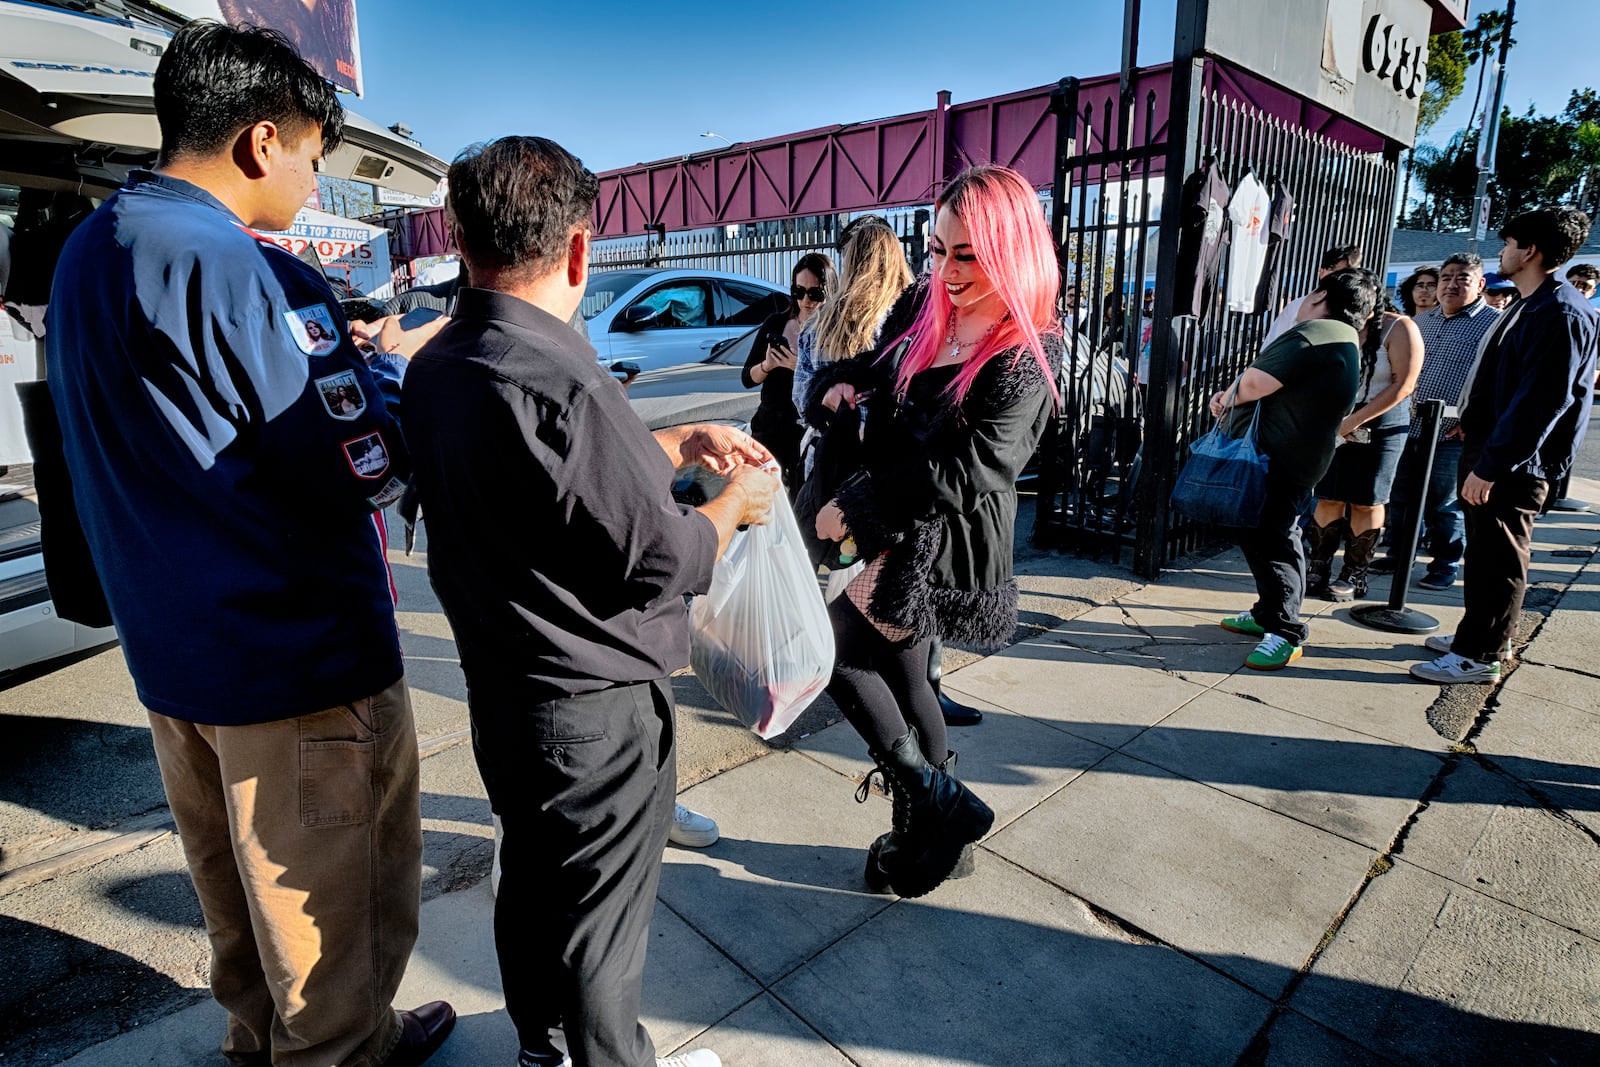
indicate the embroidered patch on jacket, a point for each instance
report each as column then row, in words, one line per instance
column 314, row 329
column 392, row 491
column 341, row 395
column 367, row 455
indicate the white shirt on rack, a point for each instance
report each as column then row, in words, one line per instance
column 1251, row 212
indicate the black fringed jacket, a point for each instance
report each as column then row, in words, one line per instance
column 940, row 492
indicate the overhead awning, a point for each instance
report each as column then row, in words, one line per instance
column 91, row 80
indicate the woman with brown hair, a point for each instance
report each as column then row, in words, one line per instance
column 776, row 422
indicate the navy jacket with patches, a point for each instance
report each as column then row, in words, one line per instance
column 225, row 463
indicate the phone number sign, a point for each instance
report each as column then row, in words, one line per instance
column 353, row 250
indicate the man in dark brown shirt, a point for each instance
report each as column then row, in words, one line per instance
column 562, row 562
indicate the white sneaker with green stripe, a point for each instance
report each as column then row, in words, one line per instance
column 1451, row 669
column 1273, row 654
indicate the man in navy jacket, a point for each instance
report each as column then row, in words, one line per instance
column 1524, row 413
column 229, row 451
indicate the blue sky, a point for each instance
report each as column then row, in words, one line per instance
column 622, row 82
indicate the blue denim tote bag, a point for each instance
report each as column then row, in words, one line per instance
column 1224, row 483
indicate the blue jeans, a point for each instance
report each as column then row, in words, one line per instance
column 1442, row 520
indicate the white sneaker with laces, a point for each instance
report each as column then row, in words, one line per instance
column 700, row 1057
column 1444, row 643
column 692, row 830
column 1451, row 669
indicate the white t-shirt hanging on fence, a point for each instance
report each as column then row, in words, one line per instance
column 1251, row 210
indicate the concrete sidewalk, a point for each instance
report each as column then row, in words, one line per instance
column 1192, row 863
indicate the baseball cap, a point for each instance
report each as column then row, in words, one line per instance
column 1493, row 283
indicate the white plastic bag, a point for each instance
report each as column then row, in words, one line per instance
column 760, row 639
column 839, row 580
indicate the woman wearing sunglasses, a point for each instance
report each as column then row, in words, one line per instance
column 776, row 423
column 955, row 405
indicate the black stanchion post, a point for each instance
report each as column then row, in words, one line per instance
column 1394, row 616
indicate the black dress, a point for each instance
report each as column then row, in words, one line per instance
column 776, row 423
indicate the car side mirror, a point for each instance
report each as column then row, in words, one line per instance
column 637, row 317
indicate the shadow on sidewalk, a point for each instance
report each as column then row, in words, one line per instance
column 1005, row 969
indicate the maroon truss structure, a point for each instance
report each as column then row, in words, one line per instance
column 889, row 162
column 893, row 162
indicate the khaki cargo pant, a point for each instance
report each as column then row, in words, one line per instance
column 304, row 841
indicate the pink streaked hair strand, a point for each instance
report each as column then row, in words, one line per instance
column 1012, row 244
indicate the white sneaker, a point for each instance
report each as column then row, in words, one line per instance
column 1443, row 643
column 692, row 830
column 700, row 1057
column 1451, row 669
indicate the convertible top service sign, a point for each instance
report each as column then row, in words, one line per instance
column 323, row 30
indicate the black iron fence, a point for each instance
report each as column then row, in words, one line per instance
column 1108, row 466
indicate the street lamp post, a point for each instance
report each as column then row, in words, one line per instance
column 719, row 137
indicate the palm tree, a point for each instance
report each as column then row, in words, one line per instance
column 1481, row 43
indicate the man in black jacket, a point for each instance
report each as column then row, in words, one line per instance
column 561, row 561
column 1523, row 415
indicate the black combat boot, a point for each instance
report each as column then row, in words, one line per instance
column 955, row 714
column 935, row 819
column 1352, row 581
column 884, row 849
column 1321, row 543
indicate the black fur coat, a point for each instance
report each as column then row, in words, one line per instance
column 940, row 494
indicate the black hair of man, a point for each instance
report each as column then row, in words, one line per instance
column 1352, row 294
column 215, row 80
column 1557, row 232
column 1349, row 255
column 514, row 202
column 855, row 226
column 1584, row 272
column 1470, row 260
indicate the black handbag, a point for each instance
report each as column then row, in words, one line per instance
column 838, row 457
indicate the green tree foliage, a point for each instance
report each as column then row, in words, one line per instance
column 1447, row 77
column 1541, row 159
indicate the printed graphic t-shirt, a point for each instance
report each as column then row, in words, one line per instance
column 1250, row 210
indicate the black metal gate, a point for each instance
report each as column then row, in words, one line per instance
column 1139, row 378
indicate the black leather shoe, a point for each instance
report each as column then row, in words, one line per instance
column 958, row 714
column 422, row 1031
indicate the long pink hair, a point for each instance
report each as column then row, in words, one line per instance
column 1008, row 235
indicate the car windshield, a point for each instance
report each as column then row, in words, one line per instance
column 606, row 286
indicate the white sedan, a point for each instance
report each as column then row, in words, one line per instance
column 666, row 318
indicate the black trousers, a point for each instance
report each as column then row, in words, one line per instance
column 1277, row 559
column 1498, row 536
column 584, row 787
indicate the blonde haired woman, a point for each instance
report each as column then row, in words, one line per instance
column 873, row 275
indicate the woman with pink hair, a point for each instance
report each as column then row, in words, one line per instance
column 955, row 400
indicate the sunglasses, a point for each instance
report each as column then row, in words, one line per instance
column 816, row 294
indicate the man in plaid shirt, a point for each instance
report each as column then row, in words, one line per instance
column 1452, row 332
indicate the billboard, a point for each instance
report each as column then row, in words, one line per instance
column 323, row 30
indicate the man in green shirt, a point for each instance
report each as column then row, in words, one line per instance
column 1304, row 385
